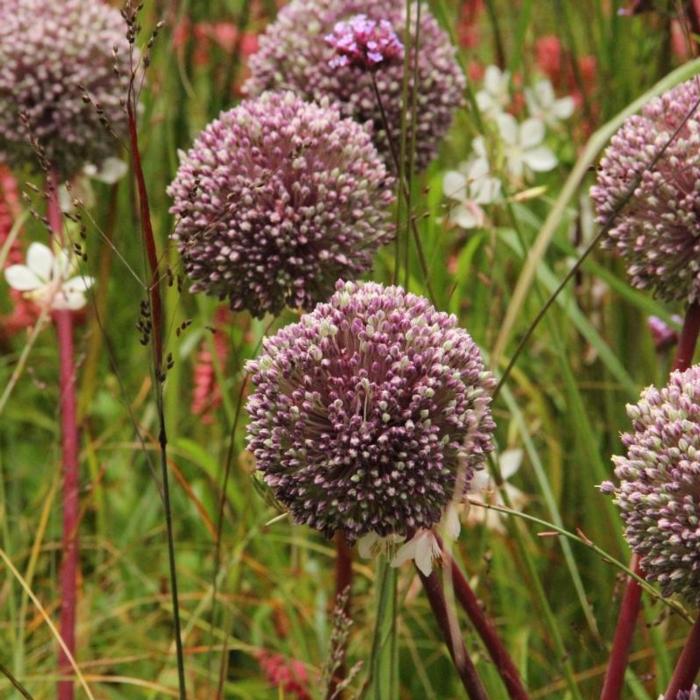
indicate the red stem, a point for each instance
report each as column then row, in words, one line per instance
column 455, row 644
column 343, row 586
column 631, row 601
column 688, row 664
column 71, row 503
column 63, row 321
column 622, row 642
column 483, row 625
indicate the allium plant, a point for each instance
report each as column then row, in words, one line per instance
column 658, row 231
column 294, row 55
column 51, row 55
column 371, row 414
column 276, row 200
column 659, row 479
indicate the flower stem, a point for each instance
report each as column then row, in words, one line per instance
column 631, row 600
column 483, row 625
column 343, row 591
column 688, row 664
column 624, row 631
column 455, row 644
column 68, row 576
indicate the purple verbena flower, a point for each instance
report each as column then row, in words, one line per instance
column 659, row 484
column 276, row 200
column 294, row 56
column 364, row 43
column 370, row 414
column 51, row 54
column 658, row 231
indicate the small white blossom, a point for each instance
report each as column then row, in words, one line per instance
column 110, row 171
column 522, row 146
column 544, row 105
column 49, row 280
column 494, row 97
column 484, row 489
column 471, row 186
column 422, row 548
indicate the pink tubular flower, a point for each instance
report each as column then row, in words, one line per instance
column 364, row 43
column 288, row 674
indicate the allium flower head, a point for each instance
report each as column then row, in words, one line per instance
column 364, row 43
column 660, row 482
column 371, row 414
column 692, row 694
column 276, row 200
column 51, row 54
column 294, row 55
column 658, row 231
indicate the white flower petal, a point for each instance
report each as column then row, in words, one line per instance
column 531, row 133
column 510, row 461
column 40, row 260
column 564, row 107
column 427, row 549
column 68, row 300
column 111, row 171
column 467, row 215
column 454, row 185
column 540, row 159
column 405, row 553
column 486, row 191
column 366, row 543
column 544, row 93
column 481, row 482
column 78, row 284
column 451, row 525
column 21, row 278
column 508, row 128
column 64, row 265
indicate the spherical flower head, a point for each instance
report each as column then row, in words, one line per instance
column 276, row 200
column 658, row 231
column 293, row 55
column 659, row 490
column 371, row 414
column 51, row 55
column 364, row 43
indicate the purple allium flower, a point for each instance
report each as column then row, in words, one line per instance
column 51, row 54
column 658, row 231
column 371, row 413
column 659, row 490
column 364, row 43
column 276, row 200
column 664, row 336
column 293, row 55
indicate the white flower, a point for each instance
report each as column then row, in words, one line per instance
column 422, row 548
column 543, row 104
column 522, row 146
column 471, row 186
column 48, row 279
column 484, row 489
column 494, row 97
column 111, row 170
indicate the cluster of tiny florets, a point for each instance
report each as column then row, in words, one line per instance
column 364, row 43
column 658, row 231
column 294, row 55
column 278, row 199
column 692, row 694
column 59, row 90
column 659, row 490
column 371, row 413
